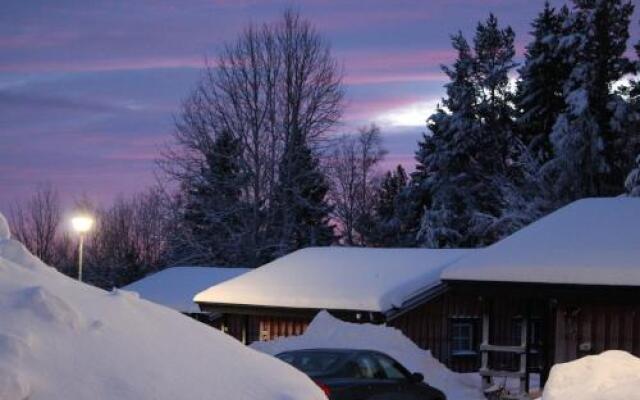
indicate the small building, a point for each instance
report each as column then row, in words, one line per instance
column 353, row 283
column 175, row 287
column 565, row 286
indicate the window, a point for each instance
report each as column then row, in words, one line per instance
column 535, row 328
column 312, row 363
column 364, row 367
column 462, row 338
column 391, row 368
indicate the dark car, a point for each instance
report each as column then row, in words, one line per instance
column 360, row 375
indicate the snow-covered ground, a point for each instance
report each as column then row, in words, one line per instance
column 329, row 332
column 63, row 340
column 612, row 375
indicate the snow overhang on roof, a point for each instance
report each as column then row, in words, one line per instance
column 336, row 278
column 588, row 242
column 175, row 287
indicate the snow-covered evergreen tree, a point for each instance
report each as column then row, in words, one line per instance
column 632, row 183
column 593, row 42
column 465, row 164
column 214, row 211
column 445, row 157
column 542, row 77
column 302, row 209
column 382, row 225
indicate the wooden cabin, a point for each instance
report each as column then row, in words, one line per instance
column 568, row 283
column 175, row 288
column 355, row 284
column 565, row 286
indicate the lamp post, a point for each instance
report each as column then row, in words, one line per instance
column 81, row 224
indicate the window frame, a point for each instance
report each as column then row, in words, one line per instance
column 470, row 339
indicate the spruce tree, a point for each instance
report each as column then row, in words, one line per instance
column 466, row 161
column 382, row 226
column 539, row 98
column 303, row 213
column 445, row 156
column 584, row 138
column 214, row 210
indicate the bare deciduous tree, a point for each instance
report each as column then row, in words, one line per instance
column 275, row 82
column 129, row 240
column 36, row 223
column 352, row 169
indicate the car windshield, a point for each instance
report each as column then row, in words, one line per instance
column 313, row 363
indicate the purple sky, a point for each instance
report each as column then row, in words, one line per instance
column 88, row 89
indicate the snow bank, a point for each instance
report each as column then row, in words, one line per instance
column 612, row 375
column 337, row 278
column 175, row 287
column 329, row 332
column 63, row 340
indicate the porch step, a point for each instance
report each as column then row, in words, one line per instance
column 503, row 349
column 502, row 374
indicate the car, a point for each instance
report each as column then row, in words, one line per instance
column 349, row 374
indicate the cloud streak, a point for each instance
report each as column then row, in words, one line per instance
column 88, row 89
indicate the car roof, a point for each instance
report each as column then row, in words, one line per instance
column 333, row 350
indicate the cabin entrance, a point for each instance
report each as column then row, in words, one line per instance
column 517, row 335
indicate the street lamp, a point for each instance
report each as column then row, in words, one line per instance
column 81, row 224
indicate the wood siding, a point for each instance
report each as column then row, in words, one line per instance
column 252, row 328
column 585, row 329
column 429, row 327
column 275, row 327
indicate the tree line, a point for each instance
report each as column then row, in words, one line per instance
column 257, row 169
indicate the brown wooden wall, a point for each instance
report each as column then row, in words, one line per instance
column 275, row 327
column 429, row 327
column 584, row 329
column 263, row 327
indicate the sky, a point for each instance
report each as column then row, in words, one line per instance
column 89, row 89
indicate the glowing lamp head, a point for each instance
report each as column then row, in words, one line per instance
column 82, row 223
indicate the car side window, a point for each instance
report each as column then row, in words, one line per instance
column 370, row 368
column 390, row 368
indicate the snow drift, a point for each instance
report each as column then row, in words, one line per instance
column 329, row 332
column 60, row 339
column 612, row 375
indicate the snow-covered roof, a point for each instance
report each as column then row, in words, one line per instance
column 337, row 278
column 175, row 287
column 588, row 242
column 64, row 340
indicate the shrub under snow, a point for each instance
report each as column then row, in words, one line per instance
column 63, row 340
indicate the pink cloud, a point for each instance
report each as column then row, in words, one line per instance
column 366, row 67
column 104, row 65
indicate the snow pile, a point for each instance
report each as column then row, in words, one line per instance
column 63, row 340
column 337, row 278
column 612, row 375
column 326, row 331
column 175, row 287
